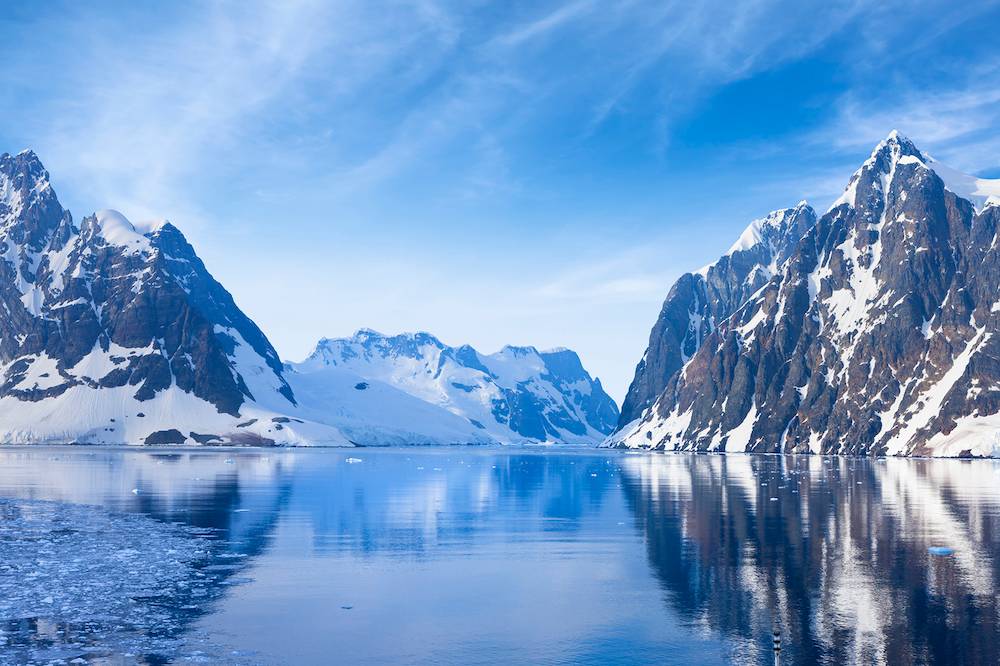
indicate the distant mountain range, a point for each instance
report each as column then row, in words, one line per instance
column 868, row 330
column 114, row 332
column 413, row 388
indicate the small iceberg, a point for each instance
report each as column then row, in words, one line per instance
column 941, row 551
column 351, row 461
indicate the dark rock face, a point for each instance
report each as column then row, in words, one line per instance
column 877, row 335
column 105, row 305
column 205, row 439
column 699, row 301
column 164, row 437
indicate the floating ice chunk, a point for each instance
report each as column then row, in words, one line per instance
column 351, row 461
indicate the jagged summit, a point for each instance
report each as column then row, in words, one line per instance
column 22, row 173
column 773, row 228
column 26, row 160
column 897, row 149
column 881, row 163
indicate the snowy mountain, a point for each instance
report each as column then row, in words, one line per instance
column 870, row 330
column 412, row 388
column 113, row 332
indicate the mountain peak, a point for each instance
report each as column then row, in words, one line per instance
column 363, row 334
column 22, row 174
column 116, row 229
column 367, row 335
column 887, row 154
column 30, row 212
column 518, row 350
column 897, row 145
column 897, row 149
column 777, row 221
column 26, row 157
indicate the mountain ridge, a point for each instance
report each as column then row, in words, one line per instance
column 875, row 337
column 515, row 395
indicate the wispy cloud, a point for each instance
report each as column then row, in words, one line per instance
column 542, row 26
column 690, row 49
column 631, row 275
column 149, row 115
column 145, row 113
column 956, row 124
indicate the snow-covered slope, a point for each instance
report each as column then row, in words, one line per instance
column 412, row 388
column 113, row 332
column 877, row 333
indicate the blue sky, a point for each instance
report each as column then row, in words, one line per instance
column 508, row 172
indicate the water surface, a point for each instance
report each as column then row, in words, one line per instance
column 494, row 556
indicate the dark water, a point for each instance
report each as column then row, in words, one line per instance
column 489, row 556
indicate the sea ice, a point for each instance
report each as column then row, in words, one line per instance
column 82, row 582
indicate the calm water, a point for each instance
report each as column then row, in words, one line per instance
column 490, row 556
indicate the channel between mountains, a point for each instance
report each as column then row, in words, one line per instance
column 869, row 329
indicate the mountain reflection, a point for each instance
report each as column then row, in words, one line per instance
column 191, row 524
column 412, row 505
column 833, row 553
column 547, row 556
